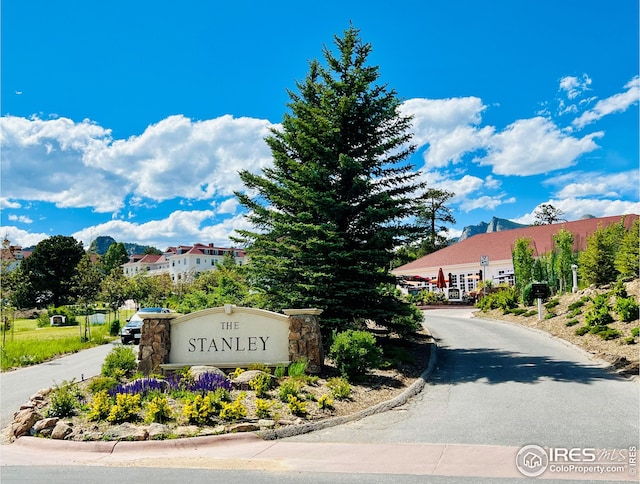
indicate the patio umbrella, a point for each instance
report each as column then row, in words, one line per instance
column 440, row 282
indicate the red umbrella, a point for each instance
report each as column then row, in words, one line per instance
column 440, row 282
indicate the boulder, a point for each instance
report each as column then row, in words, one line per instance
column 127, row 431
column 61, row 431
column 196, row 371
column 23, row 421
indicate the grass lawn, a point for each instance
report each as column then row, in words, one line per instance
column 26, row 344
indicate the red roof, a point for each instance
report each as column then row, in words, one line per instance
column 499, row 245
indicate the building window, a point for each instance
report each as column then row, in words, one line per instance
column 454, row 280
column 461, row 286
column 198, row 260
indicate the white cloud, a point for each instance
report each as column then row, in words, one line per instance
column 574, row 86
column 79, row 165
column 592, row 184
column 485, row 202
column 187, row 227
column 448, row 126
column 21, row 237
column 616, row 103
column 575, row 208
column 230, row 205
column 534, row 146
column 20, row 218
column 6, row 203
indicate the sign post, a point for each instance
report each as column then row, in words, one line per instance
column 539, row 291
column 484, row 262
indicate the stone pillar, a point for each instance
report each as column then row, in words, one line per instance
column 155, row 343
column 305, row 340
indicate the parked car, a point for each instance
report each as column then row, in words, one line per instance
column 130, row 333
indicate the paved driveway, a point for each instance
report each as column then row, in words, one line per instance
column 502, row 384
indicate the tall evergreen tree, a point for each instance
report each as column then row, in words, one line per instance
column 434, row 216
column 332, row 208
column 115, row 256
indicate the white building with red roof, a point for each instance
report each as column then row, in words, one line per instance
column 488, row 256
column 183, row 262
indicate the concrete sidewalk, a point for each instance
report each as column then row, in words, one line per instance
column 249, row 452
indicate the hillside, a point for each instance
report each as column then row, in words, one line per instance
column 495, row 225
column 101, row 244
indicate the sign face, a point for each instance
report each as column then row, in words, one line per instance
column 454, row 293
column 230, row 337
column 540, row 291
column 484, row 260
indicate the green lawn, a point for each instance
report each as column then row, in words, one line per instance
column 26, row 344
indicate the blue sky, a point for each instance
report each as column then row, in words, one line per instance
column 132, row 119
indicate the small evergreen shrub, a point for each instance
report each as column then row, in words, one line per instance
column 618, row 290
column 518, row 311
column 635, row 332
column 598, row 314
column 550, row 315
column 202, row 409
column 119, row 362
column 100, row 383
column 340, row 388
column 630, row 340
column 114, row 328
column 552, row 304
column 354, row 352
column 571, row 322
column 576, row 305
column 609, row 334
column 626, row 308
column 531, row 312
column 581, row 331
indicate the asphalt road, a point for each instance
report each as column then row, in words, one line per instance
column 500, row 384
column 18, row 385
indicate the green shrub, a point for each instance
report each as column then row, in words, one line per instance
column 626, row 308
column 576, row 305
column 582, row 330
column 609, row 334
column 618, row 290
column 114, row 328
column 552, row 304
column 531, row 312
column 260, row 384
column 598, row 313
column 119, row 362
column 70, row 316
column 571, row 322
column 289, row 388
column 635, row 332
column 340, row 388
column 354, row 352
column 65, row 399
column 202, row 409
column 630, row 340
column 518, row 311
column 101, row 383
column 408, row 324
column 550, row 315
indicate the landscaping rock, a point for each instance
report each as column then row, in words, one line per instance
column 61, row 431
column 241, row 382
column 23, row 421
column 45, row 423
column 127, row 431
column 243, row 427
column 196, row 371
column 157, row 431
